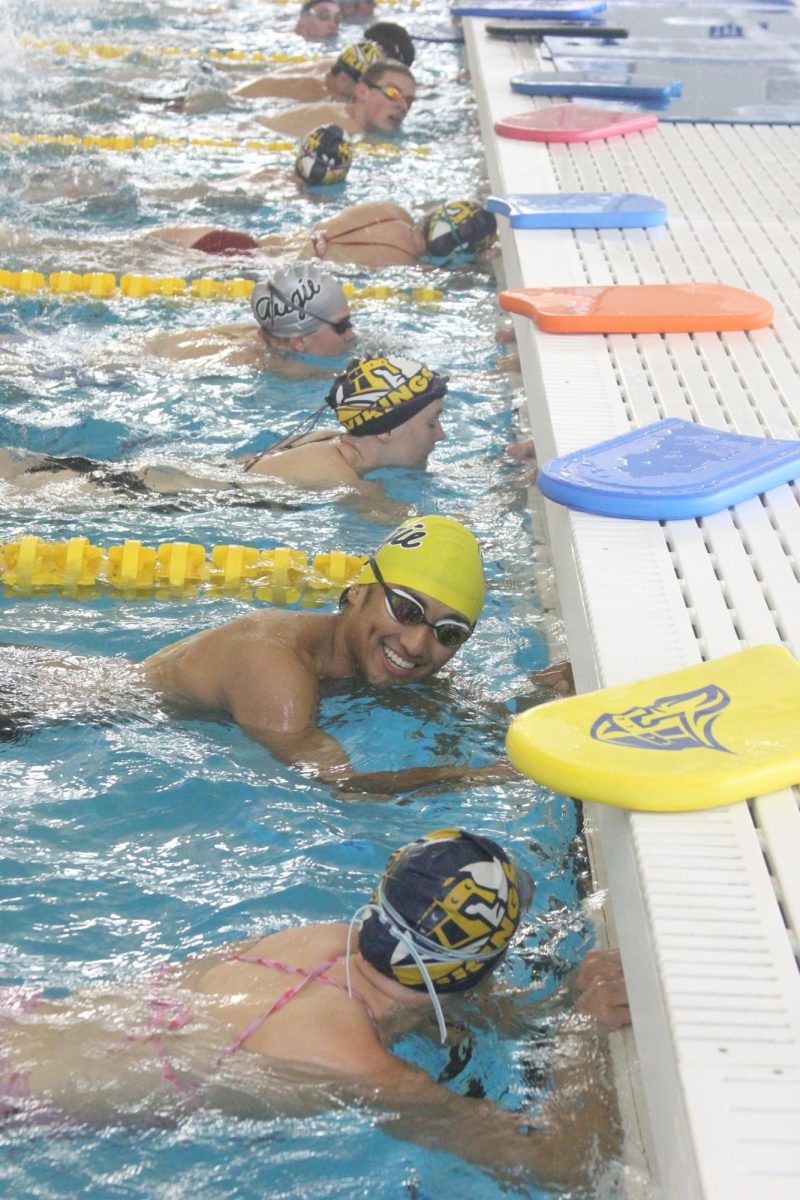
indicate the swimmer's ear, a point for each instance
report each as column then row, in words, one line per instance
column 297, row 342
column 383, row 437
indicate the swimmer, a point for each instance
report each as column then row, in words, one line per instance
column 389, row 411
column 303, row 1020
column 413, row 605
column 378, row 104
column 377, row 233
column 318, row 324
column 318, row 20
column 335, row 83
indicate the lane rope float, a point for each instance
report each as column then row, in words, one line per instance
column 177, row 570
column 104, row 285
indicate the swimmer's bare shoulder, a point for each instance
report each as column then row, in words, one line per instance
column 302, row 118
column 318, row 464
column 260, row 668
column 236, row 345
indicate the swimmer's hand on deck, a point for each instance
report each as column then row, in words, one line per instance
column 598, row 985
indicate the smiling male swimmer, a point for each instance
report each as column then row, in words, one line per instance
column 414, row 603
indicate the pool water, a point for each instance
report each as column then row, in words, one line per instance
column 134, row 838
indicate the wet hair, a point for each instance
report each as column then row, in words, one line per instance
column 395, row 41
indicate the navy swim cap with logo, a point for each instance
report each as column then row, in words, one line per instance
column 455, row 897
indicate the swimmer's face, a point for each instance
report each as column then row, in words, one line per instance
column 327, row 341
column 321, row 21
column 410, row 443
column 383, row 112
column 389, row 652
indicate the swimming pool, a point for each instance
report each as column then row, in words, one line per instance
column 127, row 839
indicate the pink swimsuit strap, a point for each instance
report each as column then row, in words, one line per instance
column 316, row 976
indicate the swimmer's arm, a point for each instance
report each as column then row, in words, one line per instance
column 559, row 1144
column 318, row 755
column 291, row 87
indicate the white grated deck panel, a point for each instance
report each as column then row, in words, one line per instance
column 707, row 905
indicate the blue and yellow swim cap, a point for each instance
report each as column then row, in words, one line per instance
column 443, row 913
column 436, row 556
column 458, row 226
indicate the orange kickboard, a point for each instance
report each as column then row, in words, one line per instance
column 640, row 308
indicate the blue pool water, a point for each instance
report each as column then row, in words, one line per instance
column 133, row 838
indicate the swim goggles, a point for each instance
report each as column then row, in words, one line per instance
column 341, row 326
column 449, row 632
column 392, row 93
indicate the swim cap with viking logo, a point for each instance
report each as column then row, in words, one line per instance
column 458, row 226
column 324, row 155
column 297, row 301
column 452, row 896
column 375, row 395
column 355, row 59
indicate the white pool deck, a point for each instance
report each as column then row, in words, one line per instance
column 706, row 906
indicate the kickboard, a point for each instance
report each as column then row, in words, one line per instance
column 578, row 210
column 536, row 31
column 583, row 83
column 555, row 10
column 640, row 308
column 669, row 471
column 573, row 123
column 700, row 737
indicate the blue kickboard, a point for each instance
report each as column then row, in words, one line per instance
column 574, row 10
column 672, row 470
column 579, row 210
column 583, row 83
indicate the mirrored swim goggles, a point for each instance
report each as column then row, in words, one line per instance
column 341, row 326
column 450, row 632
column 416, row 944
column 392, row 93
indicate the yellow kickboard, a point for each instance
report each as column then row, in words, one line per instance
column 696, row 738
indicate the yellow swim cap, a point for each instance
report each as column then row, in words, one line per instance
column 436, row 556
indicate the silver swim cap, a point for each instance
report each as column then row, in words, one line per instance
column 296, row 301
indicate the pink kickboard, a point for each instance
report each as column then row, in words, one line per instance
column 573, row 123
column 640, row 308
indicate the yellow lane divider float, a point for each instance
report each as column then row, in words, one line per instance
column 174, row 570
column 126, row 141
column 103, row 285
column 107, row 50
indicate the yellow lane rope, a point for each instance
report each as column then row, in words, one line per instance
column 177, row 570
column 103, row 285
column 127, row 142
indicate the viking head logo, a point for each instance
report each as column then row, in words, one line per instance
column 681, row 722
